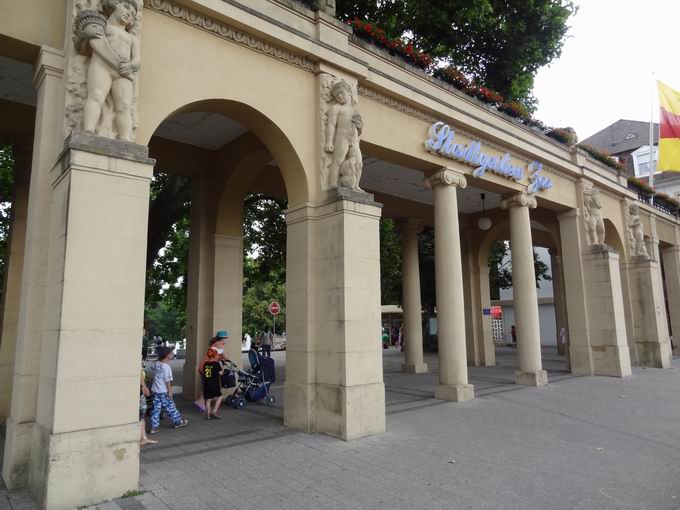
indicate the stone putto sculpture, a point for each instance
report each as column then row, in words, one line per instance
column 343, row 164
column 593, row 216
column 636, row 235
column 108, row 36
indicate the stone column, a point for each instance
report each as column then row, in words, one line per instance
column 411, row 303
column 650, row 325
column 47, row 143
column 671, row 264
column 86, row 436
column 487, row 350
column 334, row 383
column 228, row 291
column 560, row 303
column 13, row 269
column 453, row 375
column 200, row 283
column 530, row 370
column 571, row 237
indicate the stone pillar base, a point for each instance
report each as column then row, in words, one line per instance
column 535, row 378
column 18, row 439
column 345, row 412
column 417, row 368
column 455, row 393
column 84, row 467
column 298, row 410
column 654, row 354
column 611, row 360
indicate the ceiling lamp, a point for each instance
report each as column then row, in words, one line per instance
column 484, row 223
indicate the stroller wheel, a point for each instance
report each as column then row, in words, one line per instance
column 239, row 403
column 270, row 400
column 230, row 400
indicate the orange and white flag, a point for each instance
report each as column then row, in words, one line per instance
column 669, row 129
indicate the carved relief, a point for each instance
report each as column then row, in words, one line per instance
column 229, row 33
column 446, row 177
column 102, row 85
column 592, row 215
column 636, row 234
column 341, row 160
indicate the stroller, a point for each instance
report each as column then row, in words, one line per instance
column 253, row 385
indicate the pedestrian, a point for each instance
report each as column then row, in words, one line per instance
column 267, row 342
column 143, row 393
column 217, row 342
column 385, row 339
column 212, row 387
column 513, row 333
column 162, row 392
column 247, row 342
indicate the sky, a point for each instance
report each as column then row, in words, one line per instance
column 605, row 71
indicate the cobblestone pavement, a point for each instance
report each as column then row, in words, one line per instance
column 579, row 443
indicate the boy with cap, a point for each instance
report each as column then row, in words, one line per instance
column 162, row 392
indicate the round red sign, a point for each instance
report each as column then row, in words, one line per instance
column 274, row 308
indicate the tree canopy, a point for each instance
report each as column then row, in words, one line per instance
column 499, row 43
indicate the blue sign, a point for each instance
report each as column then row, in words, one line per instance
column 442, row 142
column 486, row 311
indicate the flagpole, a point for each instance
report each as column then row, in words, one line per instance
column 651, row 137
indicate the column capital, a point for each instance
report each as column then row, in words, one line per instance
column 50, row 62
column 519, row 200
column 446, row 177
column 414, row 225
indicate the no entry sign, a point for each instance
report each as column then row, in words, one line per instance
column 274, row 308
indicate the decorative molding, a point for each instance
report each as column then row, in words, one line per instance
column 520, row 199
column 395, row 104
column 446, row 177
column 203, row 22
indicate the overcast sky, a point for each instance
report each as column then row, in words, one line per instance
column 605, row 71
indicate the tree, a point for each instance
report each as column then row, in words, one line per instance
column 390, row 263
column 500, row 274
column 499, row 43
column 6, row 182
column 264, row 266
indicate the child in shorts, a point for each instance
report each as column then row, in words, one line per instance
column 212, row 387
column 162, row 392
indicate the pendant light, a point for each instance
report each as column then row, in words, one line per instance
column 484, row 223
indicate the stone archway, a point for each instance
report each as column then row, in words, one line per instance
column 219, row 186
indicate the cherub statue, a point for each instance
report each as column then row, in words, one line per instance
column 593, row 217
column 636, row 235
column 343, row 128
column 114, row 64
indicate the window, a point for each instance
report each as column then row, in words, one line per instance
column 630, row 136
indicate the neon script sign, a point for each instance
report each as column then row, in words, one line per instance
column 442, row 142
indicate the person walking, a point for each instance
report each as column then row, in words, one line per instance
column 513, row 333
column 218, row 343
column 267, row 342
column 162, row 392
column 212, row 387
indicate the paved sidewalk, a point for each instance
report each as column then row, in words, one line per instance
column 579, row 443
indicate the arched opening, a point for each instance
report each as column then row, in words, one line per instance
column 222, row 169
column 496, row 331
